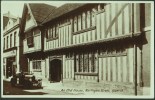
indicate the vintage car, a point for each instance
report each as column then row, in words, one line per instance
column 27, row 80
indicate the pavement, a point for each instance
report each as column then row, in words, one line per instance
column 59, row 88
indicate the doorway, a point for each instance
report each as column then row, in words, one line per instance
column 10, row 68
column 55, row 70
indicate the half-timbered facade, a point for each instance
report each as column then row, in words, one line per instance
column 32, row 36
column 99, row 43
column 94, row 43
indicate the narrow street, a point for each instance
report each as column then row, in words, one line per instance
column 57, row 89
column 9, row 90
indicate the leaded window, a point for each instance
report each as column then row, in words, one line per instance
column 85, row 62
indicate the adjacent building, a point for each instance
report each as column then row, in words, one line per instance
column 93, row 43
column 10, row 45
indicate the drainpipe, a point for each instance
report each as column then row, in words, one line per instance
column 135, row 51
column 98, row 66
column 135, row 64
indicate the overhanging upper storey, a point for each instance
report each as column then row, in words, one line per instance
column 77, row 24
column 30, row 30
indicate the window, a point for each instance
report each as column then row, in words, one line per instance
column 92, row 62
column 57, row 30
column 49, row 33
column 7, row 42
column 29, row 37
column 85, row 63
column 37, row 65
column 113, row 50
column 94, row 10
column 79, row 22
column 52, row 32
column 14, row 38
column 100, row 7
column 75, row 24
column 10, row 40
column 80, row 63
column 84, row 20
column 88, row 19
column 4, row 44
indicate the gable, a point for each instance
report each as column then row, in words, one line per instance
column 29, row 20
column 10, row 23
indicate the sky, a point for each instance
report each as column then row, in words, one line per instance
column 16, row 7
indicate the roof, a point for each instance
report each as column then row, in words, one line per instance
column 41, row 11
column 6, row 18
column 9, row 15
column 66, row 8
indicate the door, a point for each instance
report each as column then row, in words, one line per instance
column 9, row 68
column 55, row 70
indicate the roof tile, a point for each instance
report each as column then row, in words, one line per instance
column 62, row 10
column 41, row 11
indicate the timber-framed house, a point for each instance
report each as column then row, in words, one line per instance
column 96, row 43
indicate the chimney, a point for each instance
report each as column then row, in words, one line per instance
column 9, row 14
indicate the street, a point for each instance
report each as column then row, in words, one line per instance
column 60, row 89
column 9, row 90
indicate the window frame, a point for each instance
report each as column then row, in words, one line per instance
column 85, row 68
column 35, row 65
column 30, row 37
column 52, row 32
column 7, row 42
column 84, row 21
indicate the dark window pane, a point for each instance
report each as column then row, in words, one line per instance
column 30, row 38
column 93, row 62
column 80, row 63
column 85, row 67
column 10, row 40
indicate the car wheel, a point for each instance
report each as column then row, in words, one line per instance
column 13, row 82
column 27, row 84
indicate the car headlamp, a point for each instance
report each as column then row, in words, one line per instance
column 30, row 79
